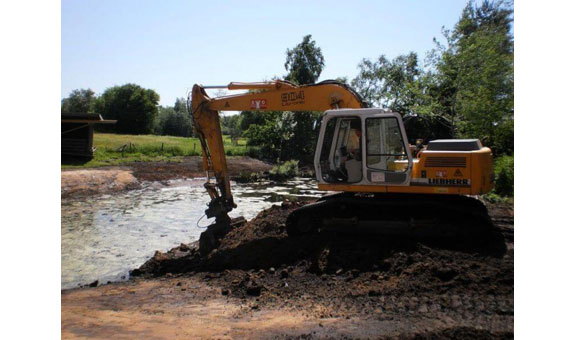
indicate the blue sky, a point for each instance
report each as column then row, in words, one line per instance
column 170, row 45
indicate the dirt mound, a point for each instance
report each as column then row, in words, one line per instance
column 92, row 181
column 439, row 266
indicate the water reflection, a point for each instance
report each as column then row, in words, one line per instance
column 105, row 236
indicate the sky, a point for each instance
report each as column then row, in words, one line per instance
column 169, row 46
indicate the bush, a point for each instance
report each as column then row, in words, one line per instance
column 285, row 170
column 266, row 138
column 504, row 176
column 247, row 177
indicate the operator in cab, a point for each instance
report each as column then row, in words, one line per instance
column 353, row 164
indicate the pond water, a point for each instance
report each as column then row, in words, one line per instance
column 103, row 237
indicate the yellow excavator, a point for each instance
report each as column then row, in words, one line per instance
column 362, row 154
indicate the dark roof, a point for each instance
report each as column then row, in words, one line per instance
column 85, row 118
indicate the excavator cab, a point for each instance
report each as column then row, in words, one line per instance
column 362, row 147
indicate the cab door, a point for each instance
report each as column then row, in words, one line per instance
column 387, row 160
column 338, row 154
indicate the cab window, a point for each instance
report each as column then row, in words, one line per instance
column 385, row 146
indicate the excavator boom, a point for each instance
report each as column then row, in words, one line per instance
column 263, row 96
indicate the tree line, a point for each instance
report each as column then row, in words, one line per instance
column 135, row 108
column 463, row 88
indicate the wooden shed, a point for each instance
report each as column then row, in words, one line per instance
column 78, row 134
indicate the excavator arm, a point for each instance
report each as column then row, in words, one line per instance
column 264, row 96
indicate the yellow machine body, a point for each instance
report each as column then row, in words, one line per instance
column 430, row 172
column 471, row 175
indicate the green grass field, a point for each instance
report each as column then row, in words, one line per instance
column 115, row 149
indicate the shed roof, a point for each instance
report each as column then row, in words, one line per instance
column 87, row 118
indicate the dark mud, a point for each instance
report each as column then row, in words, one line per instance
column 457, row 288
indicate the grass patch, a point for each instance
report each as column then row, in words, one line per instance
column 492, row 197
column 116, row 149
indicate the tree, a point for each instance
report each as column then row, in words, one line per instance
column 231, row 127
column 468, row 92
column 248, row 118
column 181, row 105
column 266, row 136
column 173, row 123
column 402, row 86
column 288, row 135
column 390, row 84
column 79, row 101
column 475, row 74
column 304, row 62
column 133, row 106
column 303, row 137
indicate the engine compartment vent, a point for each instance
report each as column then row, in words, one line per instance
column 445, row 162
column 454, row 145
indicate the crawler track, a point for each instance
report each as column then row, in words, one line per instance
column 416, row 216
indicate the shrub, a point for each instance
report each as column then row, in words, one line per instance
column 285, row 170
column 247, row 177
column 504, row 176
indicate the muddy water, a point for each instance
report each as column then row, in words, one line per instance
column 103, row 237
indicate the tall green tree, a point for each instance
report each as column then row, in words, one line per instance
column 181, row 105
column 288, row 135
column 133, row 106
column 79, row 101
column 304, row 62
column 475, row 74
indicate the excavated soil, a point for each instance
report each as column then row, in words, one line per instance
column 192, row 167
column 260, row 283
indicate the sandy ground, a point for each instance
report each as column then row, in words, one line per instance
column 191, row 309
column 78, row 182
column 260, row 283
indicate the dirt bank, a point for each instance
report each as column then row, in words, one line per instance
column 260, row 283
column 77, row 182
